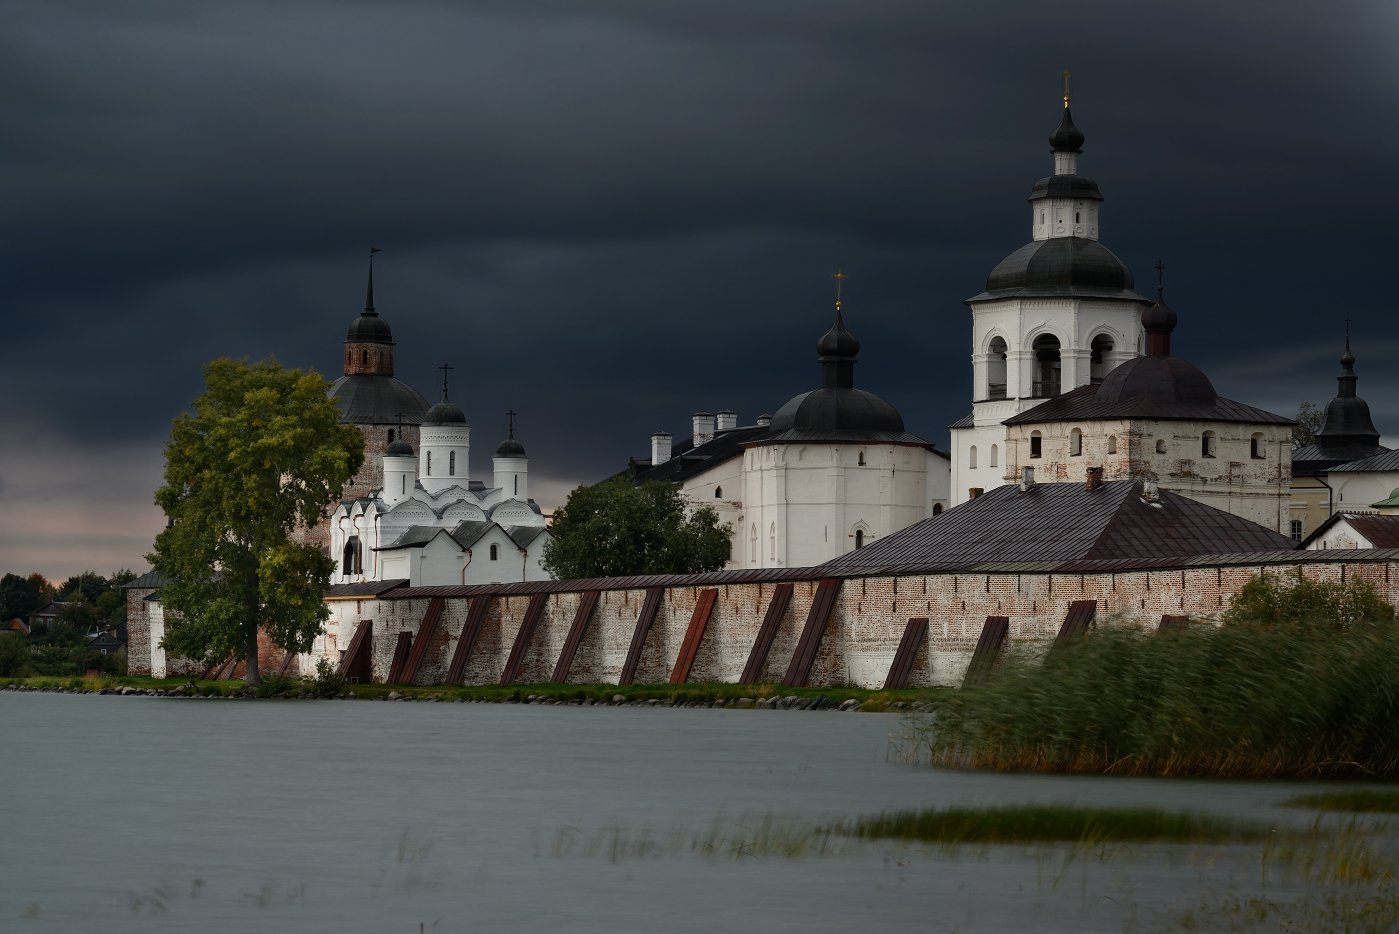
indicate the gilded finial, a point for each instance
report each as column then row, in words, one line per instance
column 840, row 278
column 1067, row 75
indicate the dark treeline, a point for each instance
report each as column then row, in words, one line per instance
column 86, row 604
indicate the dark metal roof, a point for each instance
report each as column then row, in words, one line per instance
column 1385, row 460
column 1066, row 186
column 1056, row 522
column 445, row 413
column 686, row 460
column 523, row 535
column 377, row 400
column 850, row 436
column 1167, row 379
column 966, row 421
column 363, row 588
column 1083, row 404
column 1347, row 430
column 1060, row 267
column 1381, row 531
column 148, row 579
column 510, row 447
column 831, row 410
column 369, row 328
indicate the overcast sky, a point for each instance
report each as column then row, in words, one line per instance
column 609, row 215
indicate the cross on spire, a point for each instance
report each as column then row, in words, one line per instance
column 510, row 422
column 1160, row 280
column 444, row 368
column 840, row 278
column 1067, row 75
column 369, row 292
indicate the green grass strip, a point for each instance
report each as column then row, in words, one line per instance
column 1035, row 823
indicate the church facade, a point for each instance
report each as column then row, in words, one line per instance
column 832, row 471
column 1061, row 387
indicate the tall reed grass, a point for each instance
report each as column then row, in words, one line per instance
column 1302, row 679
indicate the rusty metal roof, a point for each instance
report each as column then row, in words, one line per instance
column 363, row 589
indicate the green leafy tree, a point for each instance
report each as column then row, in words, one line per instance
column 1276, row 601
column 19, row 596
column 1309, row 419
column 14, row 656
column 263, row 451
column 87, row 586
column 616, row 528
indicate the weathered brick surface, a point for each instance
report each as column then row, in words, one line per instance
column 861, row 639
column 138, row 631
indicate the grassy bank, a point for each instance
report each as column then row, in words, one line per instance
column 671, row 695
column 1264, row 695
column 1045, row 823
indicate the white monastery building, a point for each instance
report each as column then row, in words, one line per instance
column 416, row 515
column 832, row 471
column 1060, row 386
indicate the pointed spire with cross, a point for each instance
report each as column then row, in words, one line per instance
column 445, row 368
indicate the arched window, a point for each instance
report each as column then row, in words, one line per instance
column 1160, row 445
column 1208, row 444
column 429, row 463
column 451, row 463
column 364, row 357
column 1046, row 348
column 937, row 509
column 403, row 485
column 995, row 455
column 495, row 552
column 1112, row 444
column 1255, row 446
column 772, row 540
column 861, row 459
column 1075, row 442
column 996, row 369
column 718, row 492
column 971, row 457
column 1036, row 444
column 859, row 539
column 381, row 358
column 753, row 544
column 347, row 558
column 517, row 484
column 1098, row 358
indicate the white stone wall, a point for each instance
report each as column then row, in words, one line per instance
column 1255, row 488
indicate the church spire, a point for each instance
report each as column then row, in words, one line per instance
column 838, row 348
column 1347, row 419
column 369, row 291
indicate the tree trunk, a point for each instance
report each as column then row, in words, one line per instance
column 253, row 676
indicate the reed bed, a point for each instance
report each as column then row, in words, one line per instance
column 1052, row 823
column 1304, row 687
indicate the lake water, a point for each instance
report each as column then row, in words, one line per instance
column 153, row 814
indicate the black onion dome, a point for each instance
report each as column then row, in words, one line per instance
column 369, row 328
column 838, row 341
column 1164, row 379
column 1159, row 317
column 366, row 399
column 1061, row 266
column 1066, row 137
column 445, row 413
column 837, row 410
column 510, row 447
column 399, row 448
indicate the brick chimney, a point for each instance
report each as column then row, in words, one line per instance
column 1027, row 479
column 974, row 492
column 727, row 421
column 1095, row 478
column 660, row 447
column 703, row 428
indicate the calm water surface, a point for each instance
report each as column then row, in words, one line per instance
column 153, row 814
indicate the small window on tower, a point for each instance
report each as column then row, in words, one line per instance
column 429, row 463
column 1207, row 444
column 995, row 455
column 862, row 459
column 1255, row 446
column 495, row 552
column 1076, row 219
column 718, row 492
column 364, row 357
column 451, row 463
column 971, row 457
column 859, row 539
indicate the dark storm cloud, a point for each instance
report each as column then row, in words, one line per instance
column 609, row 215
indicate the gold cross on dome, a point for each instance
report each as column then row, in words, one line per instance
column 840, row 278
column 1067, row 75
